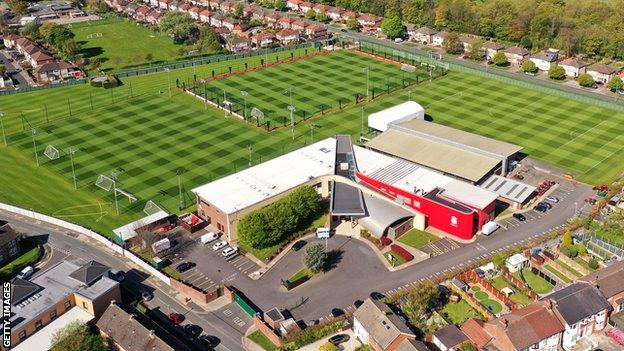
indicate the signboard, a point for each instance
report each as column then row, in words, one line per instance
column 322, row 233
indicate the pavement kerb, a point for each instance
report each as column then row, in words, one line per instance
column 249, row 345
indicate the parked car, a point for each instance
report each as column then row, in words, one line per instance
column 398, row 40
column 184, row 266
column 519, row 216
column 209, row 340
column 208, row 237
column 193, row 330
column 219, row 244
column 546, row 204
column 175, row 318
column 298, row 245
column 552, row 199
column 146, row 296
column 26, row 272
column 339, row 339
column 541, row 208
column 230, row 251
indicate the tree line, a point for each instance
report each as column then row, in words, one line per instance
column 591, row 27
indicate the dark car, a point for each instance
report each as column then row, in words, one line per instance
column 545, row 204
column 184, row 266
column 298, row 245
column 358, row 303
column 193, row 330
column 209, row 340
column 175, row 318
column 519, row 216
column 541, row 208
column 337, row 312
column 339, row 339
column 376, row 296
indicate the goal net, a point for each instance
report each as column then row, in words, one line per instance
column 51, row 152
column 151, row 208
column 130, row 197
column 104, row 182
column 259, row 115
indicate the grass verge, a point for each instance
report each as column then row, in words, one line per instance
column 535, row 282
column 262, row 341
column 30, row 255
column 417, row 238
column 559, row 275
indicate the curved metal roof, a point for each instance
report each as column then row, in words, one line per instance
column 381, row 214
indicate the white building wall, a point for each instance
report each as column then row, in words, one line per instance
column 360, row 332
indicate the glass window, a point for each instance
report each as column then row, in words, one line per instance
column 22, row 334
column 52, row 314
column 67, row 305
column 38, row 324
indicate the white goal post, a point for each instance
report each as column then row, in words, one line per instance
column 52, row 153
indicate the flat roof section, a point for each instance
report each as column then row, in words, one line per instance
column 509, row 189
column 255, row 184
column 435, row 155
column 406, row 111
column 346, row 200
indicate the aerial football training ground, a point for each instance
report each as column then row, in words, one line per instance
column 156, row 144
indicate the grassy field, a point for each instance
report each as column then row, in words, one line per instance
column 29, row 256
column 517, row 297
column 145, row 136
column 417, row 238
column 319, row 83
column 458, row 313
column 534, row 282
column 262, row 341
column 121, row 43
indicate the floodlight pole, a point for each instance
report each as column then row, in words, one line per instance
column 244, row 93
column 362, row 120
column 367, row 70
column 115, row 192
column 179, row 173
column 34, row 131
column 72, row 151
column 249, row 148
column 168, row 80
column 2, row 126
column 312, row 133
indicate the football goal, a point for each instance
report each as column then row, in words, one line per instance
column 52, row 153
column 151, row 208
column 257, row 114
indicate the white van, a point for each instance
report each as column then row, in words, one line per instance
column 26, row 272
column 209, row 237
column 489, row 228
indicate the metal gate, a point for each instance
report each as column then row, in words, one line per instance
column 244, row 305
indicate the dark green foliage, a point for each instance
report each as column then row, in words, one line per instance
column 76, row 336
column 392, row 27
column 315, row 258
column 586, row 80
column 452, row 45
column 593, row 263
column 569, row 251
column 529, row 66
column 500, row 59
column 556, row 73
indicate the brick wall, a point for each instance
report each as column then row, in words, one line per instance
column 267, row 331
column 193, row 293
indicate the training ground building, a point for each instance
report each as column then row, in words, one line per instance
column 388, row 190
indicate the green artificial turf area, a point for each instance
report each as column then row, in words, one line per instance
column 121, row 43
column 318, row 84
column 417, row 238
column 145, row 137
column 396, row 259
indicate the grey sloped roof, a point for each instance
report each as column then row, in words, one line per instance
column 451, row 336
column 578, row 301
column 22, row 289
column 609, row 280
column 346, row 200
column 89, row 272
column 381, row 214
column 382, row 325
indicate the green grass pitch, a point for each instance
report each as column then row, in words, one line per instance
column 148, row 137
column 120, row 43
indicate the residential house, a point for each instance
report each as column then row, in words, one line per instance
column 215, row 4
column 237, row 44
column 449, row 338
column 9, row 40
column 601, row 72
column 544, row 59
column 335, row 13
column 424, row 35
column 473, row 329
column 240, row 29
column 133, row 332
column 581, row 308
column 205, row 15
column 516, row 262
column 154, row 3
column 610, row 282
column 131, row 9
column 516, row 55
column 467, row 40
column 316, row 31
column 271, row 19
column 258, row 14
column 217, row 20
column 9, row 242
column 60, row 295
column 573, row 67
column 164, row 4
column 349, row 14
column 141, row 13
column 369, row 22
column 410, row 30
column 492, row 48
column 293, row 5
column 305, row 6
column 194, row 12
column 262, row 40
column 174, row 5
column 57, row 71
column 320, row 8
column 36, row 56
column 299, row 25
column 230, row 23
column 153, row 17
column 248, row 11
column 227, row 6
column 438, row 38
column 223, row 32
column 376, row 325
column 285, row 22
column 287, row 36
column 184, row 7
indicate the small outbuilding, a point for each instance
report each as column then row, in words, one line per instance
column 516, row 262
column 404, row 112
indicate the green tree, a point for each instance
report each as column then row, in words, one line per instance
column 580, row 248
column 31, row 30
column 310, row 14
column 280, row 5
column 423, row 298
column 615, row 83
column 556, row 72
column 75, row 336
column 593, row 263
column 18, row 6
column 352, row 24
column 566, row 239
column 208, row 40
column 253, row 229
column 254, row 22
column 392, row 27
column 586, row 80
column 468, row 347
column 56, row 35
column 238, row 11
column 500, row 59
column 98, row 6
column 528, row 66
column 315, row 258
column 328, row 346
column 179, row 25
column 475, row 50
column 499, row 259
column 452, row 45
column 322, row 17
column 2, row 70
column 70, row 49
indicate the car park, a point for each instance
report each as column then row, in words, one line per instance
column 541, row 207
column 26, row 272
column 230, row 251
column 219, row 244
column 552, row 199
column 298, row 245
column 339, row 339
column 184, row 266
column 519, row 216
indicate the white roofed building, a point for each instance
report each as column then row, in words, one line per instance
column 380, row 121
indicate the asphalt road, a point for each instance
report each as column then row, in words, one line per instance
column 64, row 245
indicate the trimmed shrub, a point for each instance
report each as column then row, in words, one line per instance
column 385, row 241
column 401, row 252
column 593, row 263
column 569, row 251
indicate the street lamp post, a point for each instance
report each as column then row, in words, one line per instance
column 244, row 93
column 249, row 148
column 2, row 126
column 72, row 151
column 292, row 109
column 168, row 80
column 34, row 131
column 179, row 174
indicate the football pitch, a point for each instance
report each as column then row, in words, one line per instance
column 312, row 85
column 147, row 138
